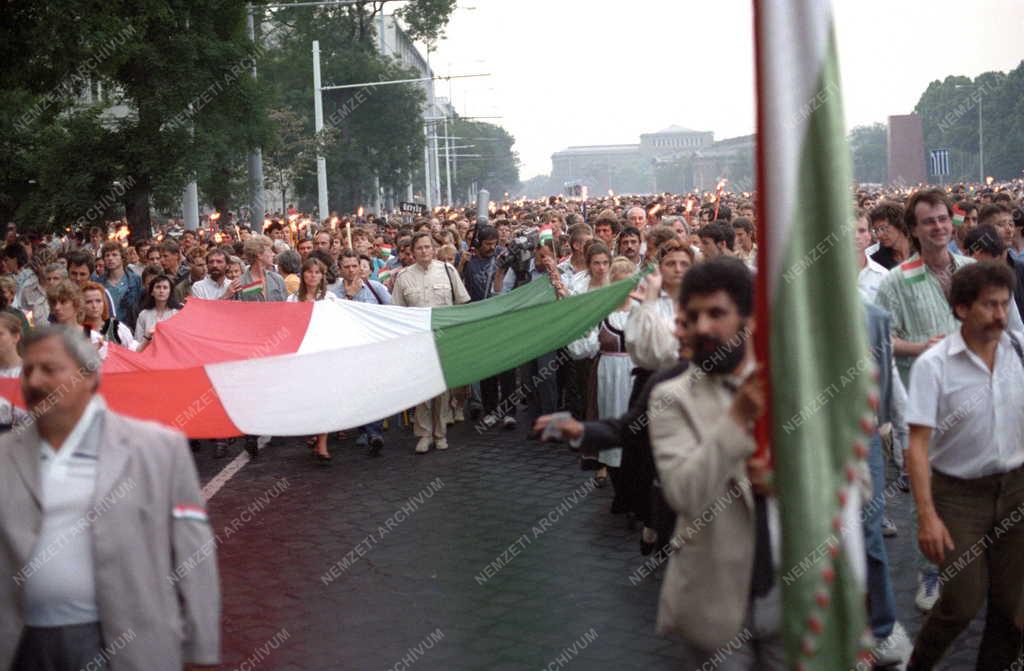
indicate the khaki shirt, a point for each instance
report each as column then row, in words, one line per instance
column 431, row 288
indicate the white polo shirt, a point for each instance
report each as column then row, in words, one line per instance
column 977, row 415
column 870, row 278
column 60, row 587
column 210, row 290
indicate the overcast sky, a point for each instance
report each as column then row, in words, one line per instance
column 576, row 72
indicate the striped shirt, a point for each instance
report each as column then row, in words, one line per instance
column 918, row 304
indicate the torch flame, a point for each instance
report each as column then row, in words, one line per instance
column 721, row 184
column 359, row 212
column 215, row 216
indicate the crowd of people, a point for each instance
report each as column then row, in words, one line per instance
column 941, row 274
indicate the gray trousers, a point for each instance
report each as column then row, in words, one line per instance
column 77, row 647
column 758, row 645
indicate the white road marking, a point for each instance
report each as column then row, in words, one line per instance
column 213, row 486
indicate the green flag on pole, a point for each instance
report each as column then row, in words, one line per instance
column 810, row 331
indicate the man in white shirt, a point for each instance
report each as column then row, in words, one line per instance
column 871, row 272
column 966, row 465
column 216, row 286
column 104, row 537
column 429, row 283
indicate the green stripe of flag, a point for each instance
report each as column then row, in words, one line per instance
column 492, row 343
column 821, row 376
column 535, row 293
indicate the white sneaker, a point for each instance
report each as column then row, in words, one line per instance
column 509, row 422
column 893, row 649
column 490, row 420
column 441, row 443
column 423, row 445
column 460, row 415
column 927, row 590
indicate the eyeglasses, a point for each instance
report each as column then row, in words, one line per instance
column 881, row 228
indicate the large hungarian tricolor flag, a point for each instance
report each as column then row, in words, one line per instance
column 226, row 368
column 811, row 332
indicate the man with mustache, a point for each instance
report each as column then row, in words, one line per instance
column 966, row 466
column 98, row 517
column 216, row 285
column 916, row 294
column 702, row 435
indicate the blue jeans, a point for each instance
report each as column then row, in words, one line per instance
column 881, row 600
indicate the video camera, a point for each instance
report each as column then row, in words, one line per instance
column 519, row 251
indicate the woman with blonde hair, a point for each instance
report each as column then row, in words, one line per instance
column 65, row 302
column 96, row 319
column 313, row 287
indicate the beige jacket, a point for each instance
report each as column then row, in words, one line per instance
column 156, row 568
column 701, row 454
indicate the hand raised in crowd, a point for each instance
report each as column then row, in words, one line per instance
column 570, row 428
column 233, row 287
column 749, row 402
column 761, row 475
column 651, row 286
column 551, row 266
column 933, row 537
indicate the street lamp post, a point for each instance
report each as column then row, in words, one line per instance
column 318, row 110
column 981, row 130
column 257, row 207
column 981, row 146
column 318, row 115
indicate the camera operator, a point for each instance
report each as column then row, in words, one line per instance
column 479, row 266
column 540, row 261
column 516, row 261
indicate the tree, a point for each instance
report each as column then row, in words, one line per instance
column 949, row 111
column 290, row 153
column 868, row 147
column 368, row 131
column 177, row 101
column 490, row 162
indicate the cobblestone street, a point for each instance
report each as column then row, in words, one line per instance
column 442, row 561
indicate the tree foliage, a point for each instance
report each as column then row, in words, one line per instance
column 868, row 147
column 949, row 111
column 490, row 163
column 177, row 101
column 370, row 130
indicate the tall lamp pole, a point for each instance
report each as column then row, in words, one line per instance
column 981, row 130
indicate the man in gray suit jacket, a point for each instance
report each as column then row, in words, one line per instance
column 106, row 552
column 720, row 590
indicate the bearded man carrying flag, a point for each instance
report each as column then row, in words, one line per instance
column 813, row 395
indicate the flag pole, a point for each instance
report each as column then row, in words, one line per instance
column 763, row 428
